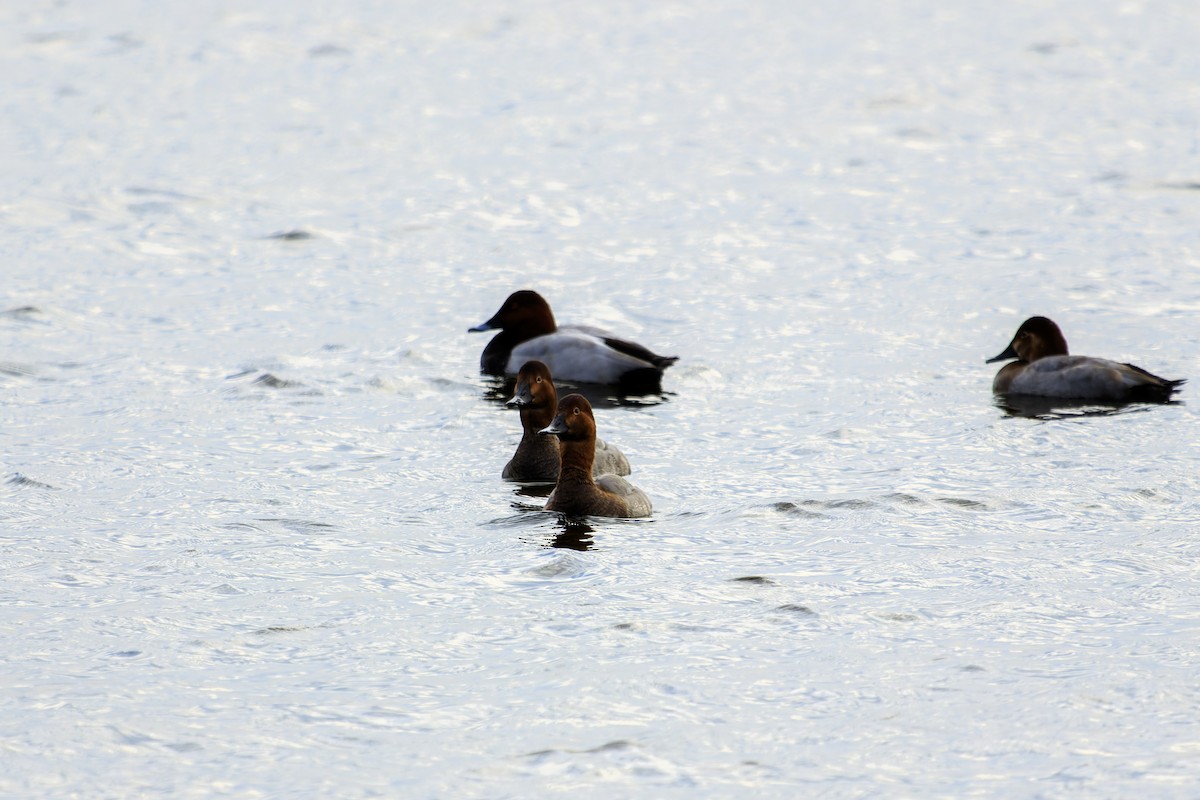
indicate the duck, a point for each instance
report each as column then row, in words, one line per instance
column 577, row 493
column 538, row 458
column 579, row 353
column 1045, row 368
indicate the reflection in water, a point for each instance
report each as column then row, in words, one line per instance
column 576, row 535
column 571, row 533
column 1034, row 407
column 534, row 489
column 500, row 390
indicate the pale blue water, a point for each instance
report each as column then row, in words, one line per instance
column 255, row 540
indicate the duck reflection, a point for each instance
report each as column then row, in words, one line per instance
column 570, row 533
column 1034, row 407
column 499, row 390
column 542, row 490
column 575, row 534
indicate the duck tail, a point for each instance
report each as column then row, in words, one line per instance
column 1155, row 389
column 662, row 362
column 644, row 380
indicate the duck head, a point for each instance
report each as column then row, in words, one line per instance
column 526, row 311
column 1037, row 337
column 535, row 388
column 573, row 420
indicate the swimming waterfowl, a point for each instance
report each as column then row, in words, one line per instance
column 538, row 458
column 1045, row 368
column 572, row 352
column 577, row 493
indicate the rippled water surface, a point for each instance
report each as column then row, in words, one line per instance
column 254, row 538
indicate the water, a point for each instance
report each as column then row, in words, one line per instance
column 255, row 540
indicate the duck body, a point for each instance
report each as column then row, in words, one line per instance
column 579, row 353
column 1045, row 368
column 539, row 458
column 611, row 496
column 577, row 492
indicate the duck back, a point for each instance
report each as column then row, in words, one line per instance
column 1087, row 378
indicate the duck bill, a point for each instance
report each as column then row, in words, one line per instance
column 490, row 325
column 1008, row 353
column 555, row 428
column 481, row 327
column 521, row 399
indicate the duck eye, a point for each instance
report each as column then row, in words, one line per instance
column 539, row 379
column 576, row 411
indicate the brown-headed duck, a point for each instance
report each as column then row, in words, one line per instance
column 577, row 493
column 572, row 352
column 1044, row 368
column 538, row 458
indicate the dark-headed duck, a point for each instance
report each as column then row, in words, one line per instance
column 577, row 493
column 538, row 458
column 1044, row 368
column 572, row 352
